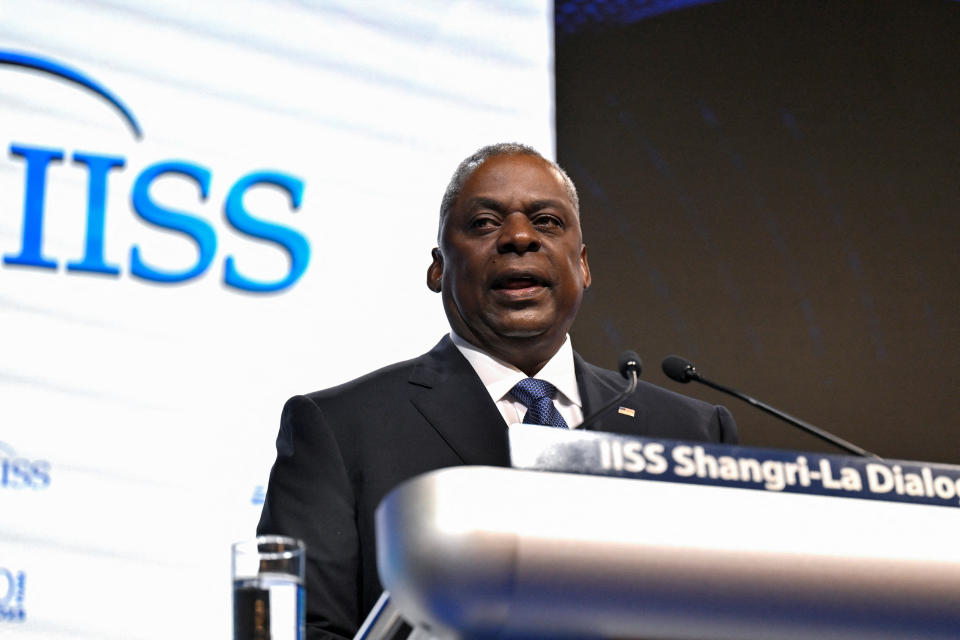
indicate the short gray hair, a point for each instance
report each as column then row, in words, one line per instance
column 466, row 168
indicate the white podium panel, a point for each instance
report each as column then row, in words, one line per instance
column 476, row 552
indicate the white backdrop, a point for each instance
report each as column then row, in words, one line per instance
column 137, row 419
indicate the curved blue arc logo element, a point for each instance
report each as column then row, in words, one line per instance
column 62, row 71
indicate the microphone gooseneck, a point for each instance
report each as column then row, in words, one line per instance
column 629, row 366
column 683, row 371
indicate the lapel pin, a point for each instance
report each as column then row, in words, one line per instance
column 626, row 411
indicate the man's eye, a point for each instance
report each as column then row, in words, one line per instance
column 482, row 223
column 547, row 221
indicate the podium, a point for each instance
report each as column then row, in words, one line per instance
column 480, row 552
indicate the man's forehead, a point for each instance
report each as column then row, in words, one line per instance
column 516, row 175
column 530, row 201
column 508, row 162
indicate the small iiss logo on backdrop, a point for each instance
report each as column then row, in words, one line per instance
column 18, row 472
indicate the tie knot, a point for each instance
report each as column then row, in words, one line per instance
column 529, row 390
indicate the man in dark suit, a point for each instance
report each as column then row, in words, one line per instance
column 511, row 268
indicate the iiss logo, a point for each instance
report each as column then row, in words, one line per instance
column 37, row 162
column 13, row 586
column 17, row 472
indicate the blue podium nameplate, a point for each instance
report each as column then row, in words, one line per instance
column 607, row 454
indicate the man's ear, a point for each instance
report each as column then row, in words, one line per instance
column 435, row 271
column 584, row 267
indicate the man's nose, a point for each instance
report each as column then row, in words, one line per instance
column 518, row 235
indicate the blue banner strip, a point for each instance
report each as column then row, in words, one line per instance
column 549, row 449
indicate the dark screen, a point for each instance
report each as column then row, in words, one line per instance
column 772, row 190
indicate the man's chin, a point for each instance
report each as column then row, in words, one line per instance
column 522, row 327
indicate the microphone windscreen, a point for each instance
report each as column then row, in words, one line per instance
column 629, row 360
column 677, row 368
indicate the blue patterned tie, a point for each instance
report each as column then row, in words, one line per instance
column 537, row 397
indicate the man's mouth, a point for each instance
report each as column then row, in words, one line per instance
column 520, row 284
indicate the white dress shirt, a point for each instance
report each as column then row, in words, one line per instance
column 499, row 378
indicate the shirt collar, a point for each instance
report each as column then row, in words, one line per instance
column 500, row 377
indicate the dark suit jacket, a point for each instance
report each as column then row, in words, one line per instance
column 341, row 450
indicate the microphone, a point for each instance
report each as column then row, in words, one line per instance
column 629, row 363
column 629, row 367
column 683, row 371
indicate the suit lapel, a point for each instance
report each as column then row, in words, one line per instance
column 456, row 404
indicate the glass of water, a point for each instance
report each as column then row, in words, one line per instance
column 268, row 595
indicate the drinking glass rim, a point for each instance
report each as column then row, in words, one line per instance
column 296, row 547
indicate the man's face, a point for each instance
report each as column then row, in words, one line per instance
column 511, row 265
